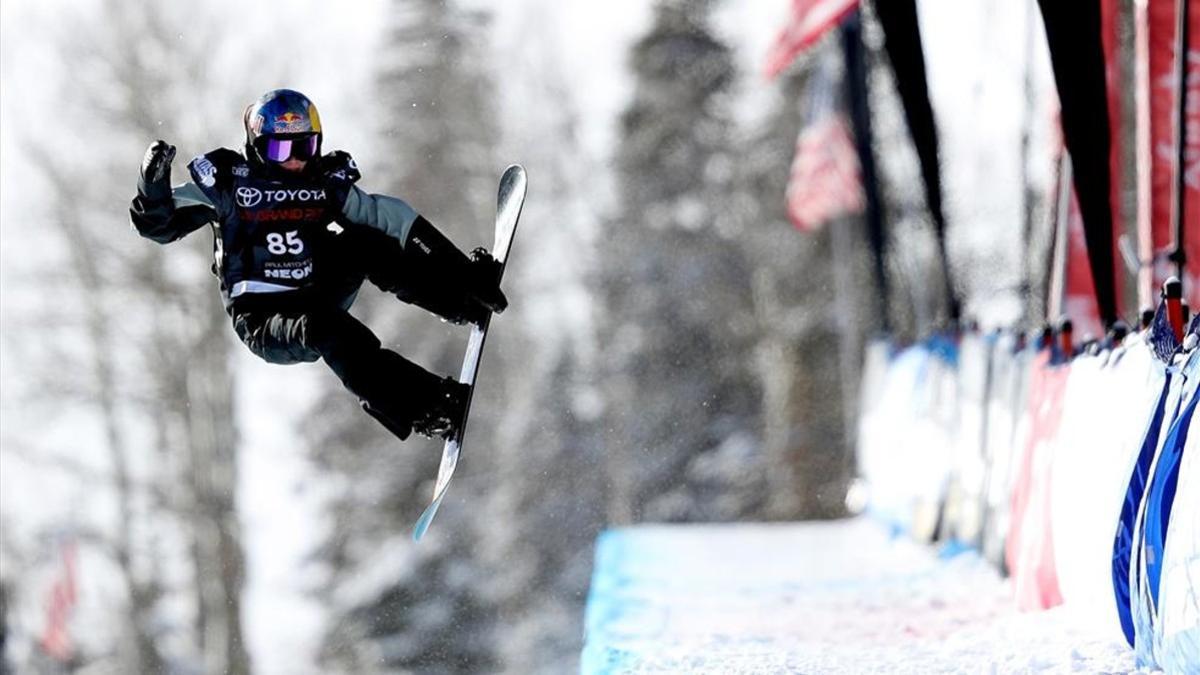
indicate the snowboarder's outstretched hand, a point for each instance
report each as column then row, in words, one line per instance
column 155, row 181
column 484, row 281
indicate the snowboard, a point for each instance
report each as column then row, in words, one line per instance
column 509, row 201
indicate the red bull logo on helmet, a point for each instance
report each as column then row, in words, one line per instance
column 291, row 122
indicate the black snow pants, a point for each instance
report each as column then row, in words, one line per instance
column 313, row 323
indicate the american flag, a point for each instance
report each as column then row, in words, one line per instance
column 825, row 180
column 810, row 20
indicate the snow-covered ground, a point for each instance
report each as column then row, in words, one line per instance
column 827, row 597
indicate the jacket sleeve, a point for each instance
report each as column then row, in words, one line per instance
column 424, row 245
column 393, row 216
column 166, row 220
column 388, row 214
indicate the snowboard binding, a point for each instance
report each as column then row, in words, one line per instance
column 443, row 416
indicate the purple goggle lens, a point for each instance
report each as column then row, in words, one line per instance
column 280, row 149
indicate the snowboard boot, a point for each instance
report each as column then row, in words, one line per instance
column 397, row 424
column 389, row 387
column 483, row 281
column 443, row 412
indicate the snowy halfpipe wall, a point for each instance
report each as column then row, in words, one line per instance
column 822, row 597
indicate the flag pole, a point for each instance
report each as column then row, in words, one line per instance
column 1056, row 287
column 850, row 348
column 1143, row 165
column 1179, row 187
column 1027, row 195
column 860, row 116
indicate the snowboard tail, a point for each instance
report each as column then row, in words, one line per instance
column 510, row 199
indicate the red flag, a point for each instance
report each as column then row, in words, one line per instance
column 825, row 181
column 810, row 20
column 60, row 602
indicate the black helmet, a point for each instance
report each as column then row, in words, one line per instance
column 282, row 123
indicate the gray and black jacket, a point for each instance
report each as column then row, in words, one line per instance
column 269, row 226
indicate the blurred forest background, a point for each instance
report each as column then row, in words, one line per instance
column 675, row 351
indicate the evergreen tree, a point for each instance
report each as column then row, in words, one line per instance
column 545, row 508
column 806, row 314
column 678, row 331
column 422, row 611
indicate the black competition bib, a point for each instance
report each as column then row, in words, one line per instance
column 268, row 227
column 273, row 236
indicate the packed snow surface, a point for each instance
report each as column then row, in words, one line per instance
column 822, row 597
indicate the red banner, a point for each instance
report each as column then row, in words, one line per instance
column 1160, row 106
column 1162, row 85
column 1191, row 160
column 1115, row 81
column 810, row 20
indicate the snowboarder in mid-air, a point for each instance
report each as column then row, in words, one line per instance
column 294, row 238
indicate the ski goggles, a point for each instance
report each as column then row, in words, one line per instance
column 278, row 149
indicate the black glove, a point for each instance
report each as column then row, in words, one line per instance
column 155, row 180
column 483, row 281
